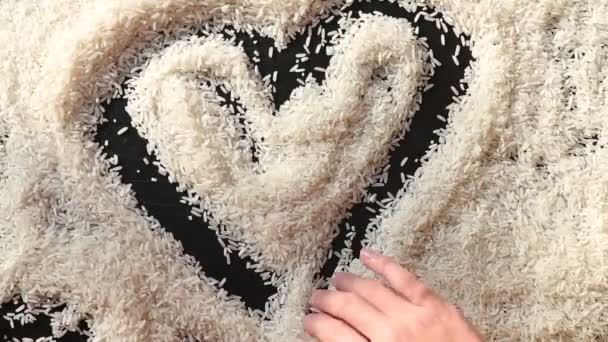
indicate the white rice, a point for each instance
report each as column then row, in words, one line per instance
column 519, row 249
column 122, row 131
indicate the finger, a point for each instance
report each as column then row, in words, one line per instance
column 374, row 292
column 328, row 329
column 352, row 309
column 402, row 281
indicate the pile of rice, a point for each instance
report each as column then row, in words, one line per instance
column 505, row 218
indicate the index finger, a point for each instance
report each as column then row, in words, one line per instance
column 382, row 297
column 402, row 281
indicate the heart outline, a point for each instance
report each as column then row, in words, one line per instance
column 190, row 57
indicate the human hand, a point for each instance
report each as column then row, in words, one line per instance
column 366, row 310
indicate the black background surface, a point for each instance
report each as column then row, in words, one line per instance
column 161, row 199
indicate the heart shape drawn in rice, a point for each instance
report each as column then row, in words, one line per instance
column 312, row 157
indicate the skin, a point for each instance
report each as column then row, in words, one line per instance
column 367, row 310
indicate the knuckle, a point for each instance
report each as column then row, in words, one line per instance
column 421, row 291
column 426, row 322
column 384, row 264
column 372, row 286
column 393, row 332
column 406, row 280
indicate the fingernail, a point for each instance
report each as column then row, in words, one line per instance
column 369, row 254
column 307, row 321
column 311, row 300
column 336, row 276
